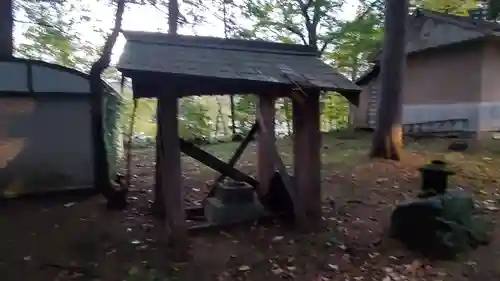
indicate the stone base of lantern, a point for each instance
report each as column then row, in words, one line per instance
column 219, row 212
column 232, row 203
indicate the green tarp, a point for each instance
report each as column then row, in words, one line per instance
column 113, row 104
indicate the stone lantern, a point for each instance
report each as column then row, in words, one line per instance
column 435, row 178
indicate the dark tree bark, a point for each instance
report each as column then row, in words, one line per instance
column 286, row 104
column 158, row 206
column 6, row 29
column 387, row 140
column 173, row 16
column 235, row 137
column 114, row 193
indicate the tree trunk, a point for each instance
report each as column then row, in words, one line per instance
column 233, row 121
column 173, row 15
column 114, row 193
column 6, row 29
column 388, row 137
column 286, row 104
column 158, row 206
column 353, row 108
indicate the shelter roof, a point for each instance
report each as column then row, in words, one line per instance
column 211, row 58
column 470, row 29
column 28, row 77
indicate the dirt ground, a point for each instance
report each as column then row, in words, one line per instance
column 73, row 237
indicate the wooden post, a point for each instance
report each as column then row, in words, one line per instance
column 158, row 206
column 168, row 174
column 6, row 28
column 265, row 141
column 307, row 158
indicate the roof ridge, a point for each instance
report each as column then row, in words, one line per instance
column 480, row 25
column 210, row 42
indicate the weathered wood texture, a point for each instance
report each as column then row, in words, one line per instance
column 215, row 163
column 274, row 158
column 211, row 65
column 266, row 140
column 307, row 158
column 158, row 206
column 387, row 140
column 169, row 175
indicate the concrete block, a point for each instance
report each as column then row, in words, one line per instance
column 218, row 212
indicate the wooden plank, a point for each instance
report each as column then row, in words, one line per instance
column 215, row 163
column 265, row 141
column 307, row 160
column 236, row 156
column 169, row 175
column 287, row 180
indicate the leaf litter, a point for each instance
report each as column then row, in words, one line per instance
column 354, row 245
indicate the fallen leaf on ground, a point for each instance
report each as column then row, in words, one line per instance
column 277, row 238
column 244, row 268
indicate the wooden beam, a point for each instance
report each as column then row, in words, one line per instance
column 215, row 163
column 169, row 175
column 236, row 156
column 265, row 141
column 158, row 206
column 307, row 157
column 287, row 180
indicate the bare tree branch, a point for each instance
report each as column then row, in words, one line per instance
column 304, row 7
column 105, row 58
column 116, row 195
column 326, row 43
column 290, row 28
column 297, row 32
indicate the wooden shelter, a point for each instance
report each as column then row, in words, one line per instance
column 172, row 66
column 450, row 81
column 45, row 142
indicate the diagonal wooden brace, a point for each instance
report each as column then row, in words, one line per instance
column 236, row 156
column 287, row 180
column 215, row 163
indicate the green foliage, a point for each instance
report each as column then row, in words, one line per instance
column 334, row 113
column 312, row 23
column 194, row 122
column 244, row 112
column 284, row 114
column 457, row 7
column 492, row 8
column 53, row 32
column 145, row 121
column 345, row 44
column 357, row 40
